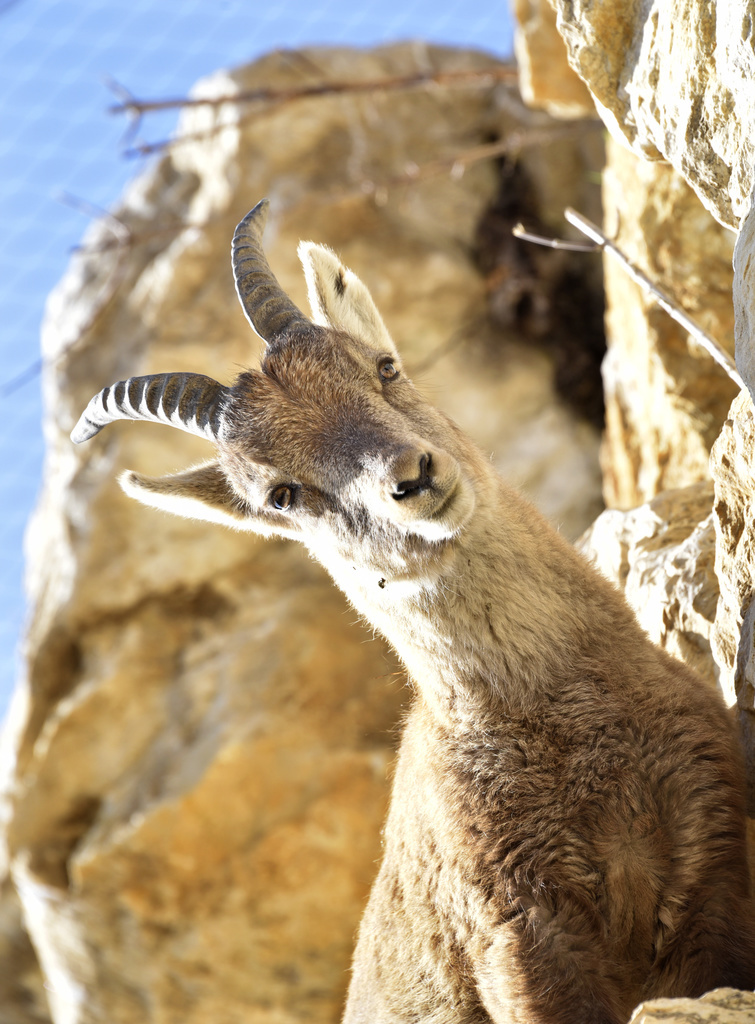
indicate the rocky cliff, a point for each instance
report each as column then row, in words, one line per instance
column 674, row 89
column 673, row 85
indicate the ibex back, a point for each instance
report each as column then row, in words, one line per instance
column 566, row 832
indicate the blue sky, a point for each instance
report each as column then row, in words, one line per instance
column 57, row 139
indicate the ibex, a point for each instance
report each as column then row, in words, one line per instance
column 566, row 831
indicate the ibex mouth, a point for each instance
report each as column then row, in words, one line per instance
column 447, row 501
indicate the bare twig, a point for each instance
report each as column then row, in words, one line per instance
column 459, row 337
column 519, row 231
column 134, row 238
column 135, row 107
column 139, row 149
column 455, row 164
column 33, row 370
column 123, row 240
column 134, row 119
column 129, row 100
column 513, row 143
column 664, row 300
column 266, row 98
column 120, row 230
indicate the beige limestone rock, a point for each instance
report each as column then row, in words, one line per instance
column 733, row 469
column 722, row 1006
column 674, row 82
column 665, row 397
column 743, row 291
column 546, row 80
column 22, row 995
column 661, row 555
column 194, row 775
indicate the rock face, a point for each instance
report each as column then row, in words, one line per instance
column 722, row 1006
column 546, row 80
column 662, row 556
column 194, row 772
column 733, row 467
column 666, row 399
column 22, row 994
column 675, row 85
column 744, row 299
column 674, row 82
column 193, row 775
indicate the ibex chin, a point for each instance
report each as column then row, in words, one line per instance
column 567, row 829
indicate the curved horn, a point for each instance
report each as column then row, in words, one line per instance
column 266, row 306
column 189, row 401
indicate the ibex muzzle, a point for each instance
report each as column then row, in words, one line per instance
column 567, row 830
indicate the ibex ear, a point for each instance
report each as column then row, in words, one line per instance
column 199, row 493
column 339, row 299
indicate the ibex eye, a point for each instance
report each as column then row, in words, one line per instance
column 282, row 497
column 387, row 370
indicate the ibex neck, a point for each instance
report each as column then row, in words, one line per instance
column 497, row 614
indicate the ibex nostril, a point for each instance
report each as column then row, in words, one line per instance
column 420, row 483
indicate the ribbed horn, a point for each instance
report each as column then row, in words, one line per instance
column 266, row 306
column 189, row 401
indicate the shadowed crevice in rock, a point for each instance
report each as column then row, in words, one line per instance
column 545, row 297
column 22, row 993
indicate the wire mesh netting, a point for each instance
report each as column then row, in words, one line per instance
column 61, row 154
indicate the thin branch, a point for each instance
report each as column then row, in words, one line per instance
column 135, row 238
column 134, row 120
column 519, row 231
column 513, row 143
column 276, row 97
column 29, row 373
column 121, row 231
column 128, row 98
column 454, row 164
column 664, row 300
column 140, row 149
column 123, row 242
column 459, row 337
column 123, row 239
column 135, row 107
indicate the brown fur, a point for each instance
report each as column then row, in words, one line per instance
column 566, row 834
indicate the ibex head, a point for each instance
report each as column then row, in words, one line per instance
column 328, row 442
